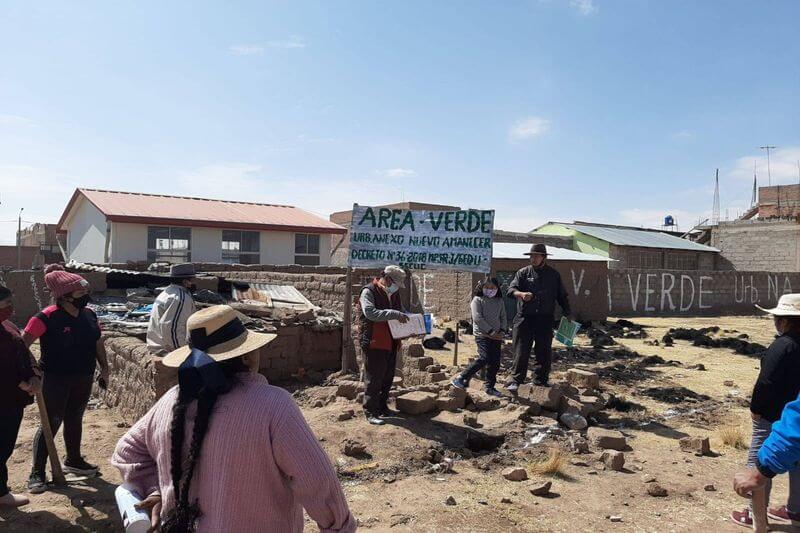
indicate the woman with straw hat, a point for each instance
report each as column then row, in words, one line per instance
column 224, row 450
column 776, row 386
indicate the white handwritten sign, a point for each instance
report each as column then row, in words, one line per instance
column 421, row 240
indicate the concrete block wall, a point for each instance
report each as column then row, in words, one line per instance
column 759, row 245
column 31, row 294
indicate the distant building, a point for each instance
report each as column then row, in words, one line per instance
column 44, row 237
column 766, row 238
column 632, row 247
column 119, row 227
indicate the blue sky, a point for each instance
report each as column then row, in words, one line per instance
column 607, row 110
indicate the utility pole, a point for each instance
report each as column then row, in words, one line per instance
column 769, row 171
column 715, row 208
column 755, row 187
column 19, row 239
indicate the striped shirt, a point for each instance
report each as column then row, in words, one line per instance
column 171, row 310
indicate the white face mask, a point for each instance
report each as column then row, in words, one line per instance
column 490, row 293
column 391, row 289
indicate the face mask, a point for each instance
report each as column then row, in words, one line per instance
column 6, row 312
column 490, row 293
column 81, row 302
column 391, row 289
column 192, row 288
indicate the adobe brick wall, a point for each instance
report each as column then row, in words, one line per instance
column 635, row 292
column 8, row 256
column 759, row 245
column 31, row 295
column 132, row 383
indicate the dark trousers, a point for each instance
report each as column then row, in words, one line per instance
column 10, row 420
column 379, row 367
column 488, row 356
column 65, row 398
column 533, row 331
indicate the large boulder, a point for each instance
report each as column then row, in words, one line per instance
column 699, row 445
column 607, row 439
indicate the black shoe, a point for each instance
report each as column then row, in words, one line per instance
column 387, row 412
column 80, row 468
column 37, row 483
column 541, row 383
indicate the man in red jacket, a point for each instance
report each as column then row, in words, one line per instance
column 379, row 303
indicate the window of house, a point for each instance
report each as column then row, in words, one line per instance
column 169, row 245
column 677, row 261
column 242, row 247
column 306, row 249
column 644, row 259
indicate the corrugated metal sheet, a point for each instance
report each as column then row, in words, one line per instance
column 644, row 239
column 514, row 250
column 273, row 295
column 153, row 208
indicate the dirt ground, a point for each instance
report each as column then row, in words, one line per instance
column 391, row 488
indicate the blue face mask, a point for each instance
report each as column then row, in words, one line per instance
column 391, row 289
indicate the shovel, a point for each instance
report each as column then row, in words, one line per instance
column 47, row 432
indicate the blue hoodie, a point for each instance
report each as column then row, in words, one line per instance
column 781, row 451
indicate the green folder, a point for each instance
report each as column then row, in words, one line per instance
column 567, row 329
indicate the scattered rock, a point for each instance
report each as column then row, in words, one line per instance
column 592, row 472
column 397, row 381
column 583, row 378
column 346, row 415
column 318, row 404
column 506, row 500
column 450, row 501
column 614, row 460
column 710, row 488
column 548, row 397
column 698, row 366
column 700, row 445
column 657, row 491
column 484, row 402
column 728, row 383
column 578, row 444
column 541, row 489
column 648, row 479
column 574, row 421
column 353, row 448
column 434, row 343
column 515, row 474
column 471, row 420
column 348, row 389
column 615, row 518
column 416, row 403
column 607, row 439
column 479, row 441
column 578, row 462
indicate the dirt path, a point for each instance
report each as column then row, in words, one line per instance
column 391, row 490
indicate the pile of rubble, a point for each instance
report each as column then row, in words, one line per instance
column 603, row 333
column 703, row 337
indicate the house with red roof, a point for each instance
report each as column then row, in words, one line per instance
column 117, row 227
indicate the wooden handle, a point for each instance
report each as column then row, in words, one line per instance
column 47, row 432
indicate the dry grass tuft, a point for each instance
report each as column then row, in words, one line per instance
column 733, row 436
column 552, row 465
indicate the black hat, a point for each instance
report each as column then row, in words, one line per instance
column 184, row 270
column 540, row 249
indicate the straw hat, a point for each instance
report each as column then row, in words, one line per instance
column 218, row 331
column 788, row 305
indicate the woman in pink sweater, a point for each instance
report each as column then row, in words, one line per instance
column 224, row 450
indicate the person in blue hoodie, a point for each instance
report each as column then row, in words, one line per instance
column 775, row 397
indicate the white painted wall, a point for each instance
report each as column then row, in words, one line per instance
column 128, row 242
column 86, row 233
column 207, row 245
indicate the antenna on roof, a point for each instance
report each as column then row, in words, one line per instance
column 754, row 198
column 715, row 208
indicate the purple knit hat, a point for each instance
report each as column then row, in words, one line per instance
column 60, row 282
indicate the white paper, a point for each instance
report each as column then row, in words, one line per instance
column 415, row 326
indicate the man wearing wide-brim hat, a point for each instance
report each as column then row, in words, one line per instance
column 171, row 310
column 778, row 385
column 537, row 288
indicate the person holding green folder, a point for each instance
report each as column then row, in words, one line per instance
column 537, row 289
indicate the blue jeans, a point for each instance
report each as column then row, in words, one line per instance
column 761, row 430
column 488, row 356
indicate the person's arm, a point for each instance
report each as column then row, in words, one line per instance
column 308, row 471
column 781, row 451
column 503, row 315
column 477, row 315
column 515, row 288
column 132, row 456
column 187, row 309
column 102, row 360
column 765, row 392
column 373, row 314
column 36, row 327
column 562, row 297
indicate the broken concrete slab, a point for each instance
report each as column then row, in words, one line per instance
column 416, row 403
column 548, row 397
column 607, row 439
column 700, row 445
column 583, row 378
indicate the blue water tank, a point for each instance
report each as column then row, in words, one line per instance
column 669, row 221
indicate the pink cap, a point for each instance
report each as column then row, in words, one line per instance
column 60, row 282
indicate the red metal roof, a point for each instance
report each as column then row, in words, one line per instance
column 139, row 208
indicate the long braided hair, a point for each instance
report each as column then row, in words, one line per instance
column 182, row 518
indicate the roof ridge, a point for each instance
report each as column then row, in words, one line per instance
column 83, row 189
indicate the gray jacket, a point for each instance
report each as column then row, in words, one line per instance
column 372, row 313
column 488, row 315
